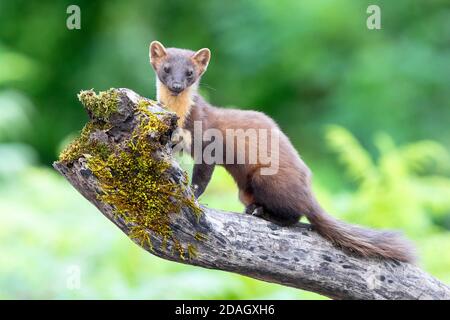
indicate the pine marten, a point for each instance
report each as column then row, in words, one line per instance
column 285, row 196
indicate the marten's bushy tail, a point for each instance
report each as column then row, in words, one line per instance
column 363, row 241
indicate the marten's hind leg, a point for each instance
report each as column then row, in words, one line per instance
column 251, row 207
column 279, row 203
column 258, row 210
column 246, row 197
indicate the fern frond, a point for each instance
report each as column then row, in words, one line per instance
column 352, row 155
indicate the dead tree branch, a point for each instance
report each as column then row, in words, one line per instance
column 292, row 256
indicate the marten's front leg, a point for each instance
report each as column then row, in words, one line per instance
column 201, row 175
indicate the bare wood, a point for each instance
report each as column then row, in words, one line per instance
column 292, row 256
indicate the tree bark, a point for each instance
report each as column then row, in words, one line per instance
column 293, row 256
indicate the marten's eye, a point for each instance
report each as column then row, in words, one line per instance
column 167, row 69
column 189, row 73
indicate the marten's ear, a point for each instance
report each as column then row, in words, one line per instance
column 157, row 52
column 201, row 58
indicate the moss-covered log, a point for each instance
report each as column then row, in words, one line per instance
column 122, row 163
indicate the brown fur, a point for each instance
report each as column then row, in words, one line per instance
column 246, row 198
column 285, row 196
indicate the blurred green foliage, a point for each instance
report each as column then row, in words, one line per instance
column 368, row 110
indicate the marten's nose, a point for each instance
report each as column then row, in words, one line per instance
column 176, row 87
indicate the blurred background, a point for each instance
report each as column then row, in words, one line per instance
column 368, row 111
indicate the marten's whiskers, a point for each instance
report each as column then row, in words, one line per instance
column 207, row 86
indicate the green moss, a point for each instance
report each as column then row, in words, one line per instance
column 134, row 180
column 151, row 123
column 177, row 246
column 101, row 105
column 84, row 146
column 200, row 236
column 192, row 251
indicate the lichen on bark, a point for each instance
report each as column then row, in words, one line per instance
column 85, row 145
column 101, row 105
column 131, row 173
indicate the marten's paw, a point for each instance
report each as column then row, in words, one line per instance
column 250, row 208
column 258, row 212
column 254, row 210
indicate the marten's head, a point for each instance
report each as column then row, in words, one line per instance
column 178, row 69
